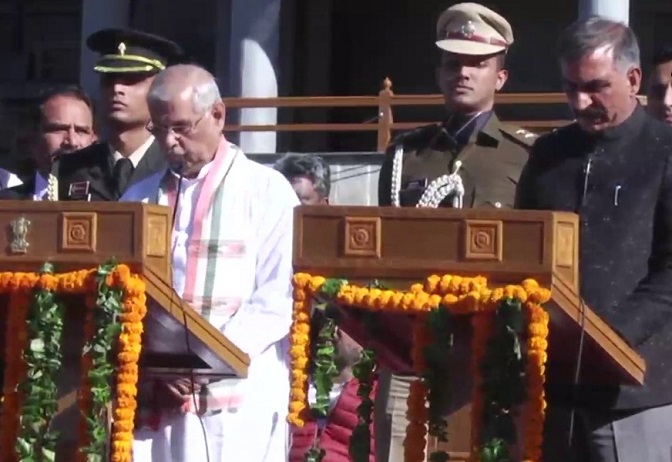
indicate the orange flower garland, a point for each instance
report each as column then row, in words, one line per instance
column 19, row 286
column 299, row 352
column 537, row 346
column 462, row 296
column 130, row 345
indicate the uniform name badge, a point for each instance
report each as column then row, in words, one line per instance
column 79, row 191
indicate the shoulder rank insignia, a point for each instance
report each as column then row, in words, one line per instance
column 519, row 135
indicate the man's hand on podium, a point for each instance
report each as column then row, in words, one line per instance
column 174, row 393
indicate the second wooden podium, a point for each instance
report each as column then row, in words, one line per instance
column 403, row 246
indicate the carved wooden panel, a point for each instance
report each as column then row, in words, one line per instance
column 483, row 240
column 156, row 236
column 79, row 231
column 362, row 237
column 564, row 247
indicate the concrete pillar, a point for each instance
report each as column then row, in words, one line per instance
column 96, row 15
column 618, row 10
column 254, row 44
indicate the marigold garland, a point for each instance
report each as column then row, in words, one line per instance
column 537, row 346
column 300, row 349
column 130, row 346
column 19, row 286
column 462, row 296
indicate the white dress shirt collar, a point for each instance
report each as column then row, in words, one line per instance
column 137, row 155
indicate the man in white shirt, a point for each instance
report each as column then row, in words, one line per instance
column 62, row 123
column 232, row 261
column 128, row 62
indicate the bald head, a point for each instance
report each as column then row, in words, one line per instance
column 187, row 116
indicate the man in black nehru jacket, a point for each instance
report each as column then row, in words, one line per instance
column 613, row 167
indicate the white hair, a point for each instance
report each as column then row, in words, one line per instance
column 204, row 94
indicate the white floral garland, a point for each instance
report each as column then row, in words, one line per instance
column 435, row 192
column 441, row 188
column 396, row 174
column 52, row 188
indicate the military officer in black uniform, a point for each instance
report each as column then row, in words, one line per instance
column 128, row 63
column 484, row 155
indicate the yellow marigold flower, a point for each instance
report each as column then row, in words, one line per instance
column 444, row 284
column 537, row 343
column 415, row 288
column 360, row 293
column 454, row 285
column 407, row 301
column 420, row 301
column 315, row 283
column 299, row 295
column 396, row 300
column 449, row 299
column 300, row 280
column 432, row 283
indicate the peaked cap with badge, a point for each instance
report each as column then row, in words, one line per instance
column 91, row 174
column 473, row 29
column 132, row 51
column 469, row 160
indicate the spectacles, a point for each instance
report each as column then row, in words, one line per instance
column 177, row 130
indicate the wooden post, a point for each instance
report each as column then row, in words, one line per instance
column 385, row 115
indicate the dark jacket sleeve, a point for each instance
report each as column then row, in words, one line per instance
column 649, row 307
column 525, row 189
column 385, row 179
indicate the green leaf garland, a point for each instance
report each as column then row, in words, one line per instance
column 359, row 447
column 36, row 441
column 106, row 333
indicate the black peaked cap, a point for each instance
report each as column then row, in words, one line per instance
column 132, row 51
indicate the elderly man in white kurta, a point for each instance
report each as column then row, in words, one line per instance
column 232, row 261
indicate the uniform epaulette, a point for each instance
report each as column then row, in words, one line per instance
column 417, row 137
column 519, row 135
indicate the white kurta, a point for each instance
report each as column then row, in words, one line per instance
column 257, row 215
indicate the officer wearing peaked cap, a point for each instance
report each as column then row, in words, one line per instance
column 471, row 159
column 128, row 62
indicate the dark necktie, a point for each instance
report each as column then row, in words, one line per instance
column 123, row 169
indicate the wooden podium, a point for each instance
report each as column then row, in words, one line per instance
column 402, row 246
column 82, row 235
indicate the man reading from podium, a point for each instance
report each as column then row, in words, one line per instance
column 613, row 167
column 232, row 261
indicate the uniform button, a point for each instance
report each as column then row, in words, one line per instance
column 498, row 205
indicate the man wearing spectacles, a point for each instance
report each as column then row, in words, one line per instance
column 128, row 64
